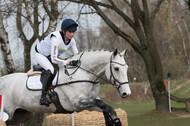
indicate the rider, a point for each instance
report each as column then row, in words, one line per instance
column 49, row 50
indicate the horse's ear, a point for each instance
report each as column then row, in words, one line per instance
column 124, row 52
column 115, row 52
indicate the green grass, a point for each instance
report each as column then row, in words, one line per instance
column 143, row 113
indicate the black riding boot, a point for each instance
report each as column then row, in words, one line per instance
column 46, row 79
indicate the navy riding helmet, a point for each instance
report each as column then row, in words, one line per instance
column 69, row 25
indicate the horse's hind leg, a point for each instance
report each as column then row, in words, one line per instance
column 20, row 116
column 109, row 112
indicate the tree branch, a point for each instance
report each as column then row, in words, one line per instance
column 80, row 12
column 138, row 17
column 135, row 45
column 36, row 22
column 53, row 14
column 127, row 2
column 153, row 14
column 177, row 99
column 18, row 20
column 28, row 17
column 112, row 7
column 123, row 15
column 46, row 9
column 145, row 9
column 87, row 2
column 136, row 10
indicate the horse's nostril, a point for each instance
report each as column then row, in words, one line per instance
column 124, row 95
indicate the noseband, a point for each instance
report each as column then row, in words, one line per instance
column 115, row 81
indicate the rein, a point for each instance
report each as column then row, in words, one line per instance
column 94, row 74
column 115, row 81
column 79, row 81
column 70, row 77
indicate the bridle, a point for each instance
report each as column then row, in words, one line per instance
column 116, row 83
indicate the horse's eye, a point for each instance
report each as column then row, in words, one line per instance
column 116, row 69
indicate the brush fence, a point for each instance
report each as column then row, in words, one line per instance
column 84, row 118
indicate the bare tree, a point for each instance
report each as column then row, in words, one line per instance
column 5, row 47
column 28, row 11
column 142, row 23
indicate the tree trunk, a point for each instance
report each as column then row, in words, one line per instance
column 157, row 85
column 5, row 47
column 27, row 49
column 155, row 76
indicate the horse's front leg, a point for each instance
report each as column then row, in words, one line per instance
column 109, row 112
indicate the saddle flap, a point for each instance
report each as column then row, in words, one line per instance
column 33, row 82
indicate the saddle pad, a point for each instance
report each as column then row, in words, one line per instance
column 33, row 82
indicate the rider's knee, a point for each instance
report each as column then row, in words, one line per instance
column 50, row 71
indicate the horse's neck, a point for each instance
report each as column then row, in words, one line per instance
column 96, row 61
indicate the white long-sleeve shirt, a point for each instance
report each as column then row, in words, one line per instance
column 55, row 46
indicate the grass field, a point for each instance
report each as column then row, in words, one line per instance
column 142, row 113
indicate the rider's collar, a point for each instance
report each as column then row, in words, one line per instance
column 63, row 37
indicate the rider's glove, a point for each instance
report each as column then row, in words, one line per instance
column 74, row 62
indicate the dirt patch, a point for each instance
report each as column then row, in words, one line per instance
column 165, row 114
column 185, row 116
column 180, row 85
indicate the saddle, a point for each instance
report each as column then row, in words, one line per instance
column 33, row 82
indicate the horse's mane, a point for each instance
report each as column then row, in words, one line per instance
column 89, row 52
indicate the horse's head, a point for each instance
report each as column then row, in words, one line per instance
column 116, row 71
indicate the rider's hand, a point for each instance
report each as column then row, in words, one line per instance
column 73, row 62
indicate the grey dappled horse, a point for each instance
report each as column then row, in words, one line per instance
column 79, row 92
